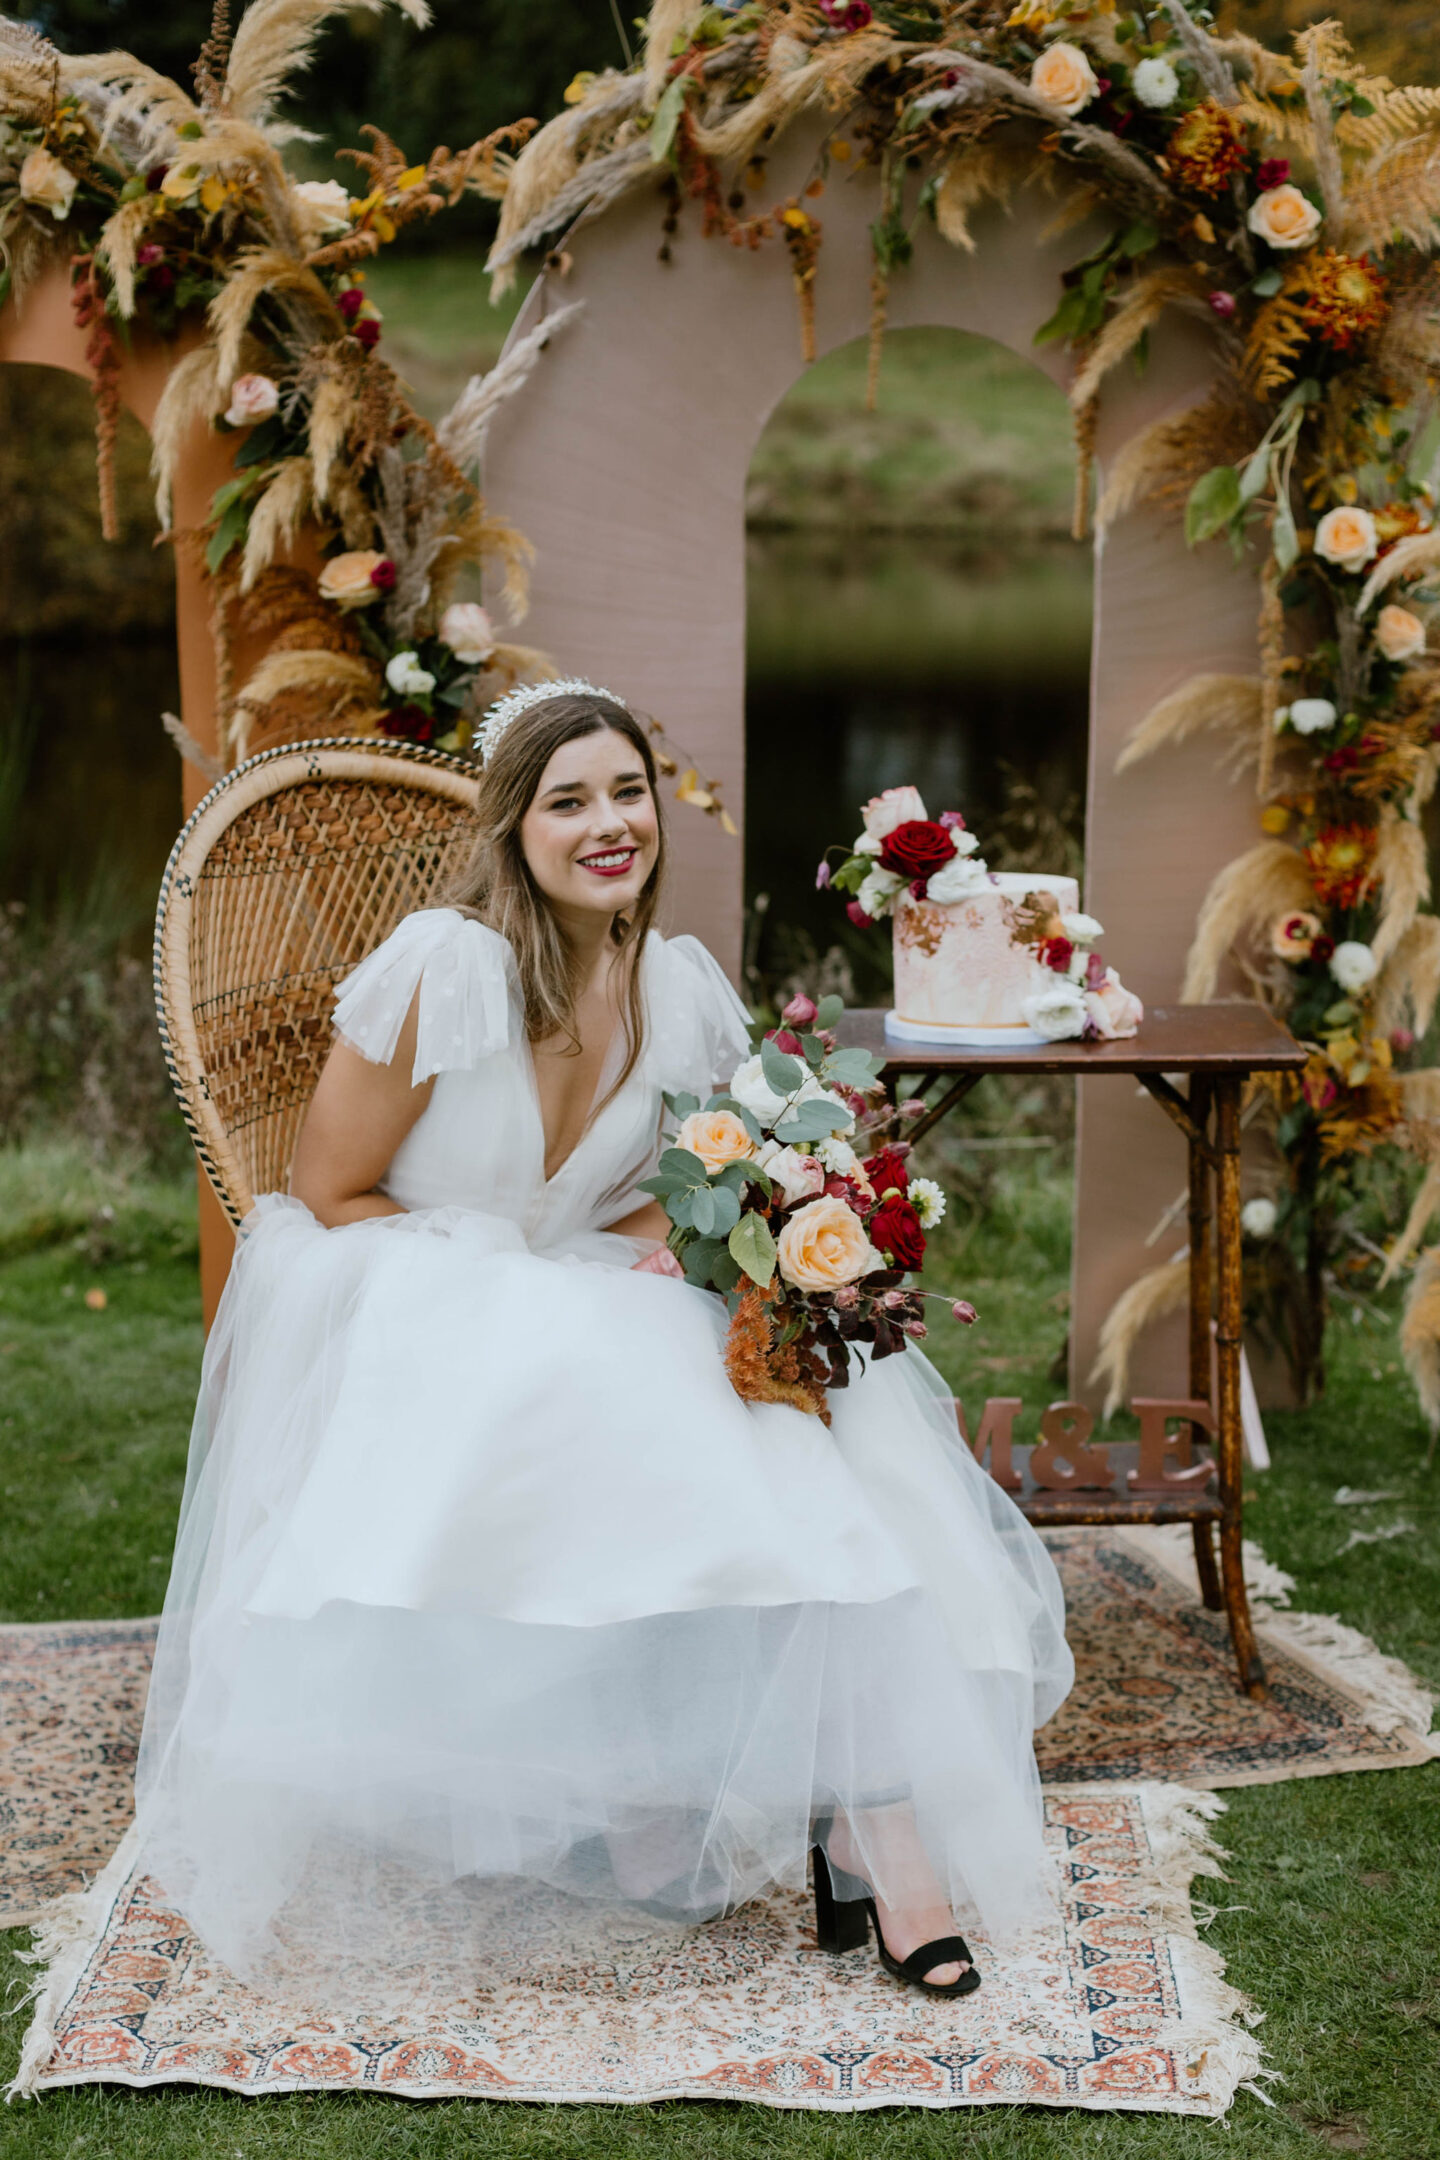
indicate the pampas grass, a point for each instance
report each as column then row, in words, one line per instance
column 1403, row 875
column 1410, row 977
column 1227, row 702
column 276, row 39
column 981, row 173
column 191, row 395
column 669, row 20
column 1154, row 1296
column 462, row 432
column 275, row 518
column 332, row 409
column 1140, row 309
column 1268, row 880
column 122, row 235
column 1417, row 1222
column 1420, row 552
column 1420, row 1338
column 258, row 271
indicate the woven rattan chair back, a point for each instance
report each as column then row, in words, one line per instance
column 291, row 870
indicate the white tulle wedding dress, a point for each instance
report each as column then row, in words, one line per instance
column 484, row 1571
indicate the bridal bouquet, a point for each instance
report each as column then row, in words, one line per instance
column 791, row 1196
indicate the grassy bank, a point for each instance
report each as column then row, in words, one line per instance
column 1331, row 1916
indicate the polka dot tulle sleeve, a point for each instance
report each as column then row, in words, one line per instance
column 462, row 972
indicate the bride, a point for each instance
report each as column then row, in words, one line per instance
column 484, row 1572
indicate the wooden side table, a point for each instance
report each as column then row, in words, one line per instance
column 1215, row 1048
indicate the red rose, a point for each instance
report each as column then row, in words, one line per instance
column 367, row 333
column 350, row 302
column 1057, row 953
column 895, row 1230
column 887, row 1169
column 784, row 1040
column 1322, row 949
column 1272, row 172
column 382, row 577
column 412, row 722
column 916, row 848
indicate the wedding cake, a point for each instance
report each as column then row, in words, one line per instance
column 992, row 958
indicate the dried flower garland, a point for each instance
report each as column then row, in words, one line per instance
column 1289, row 202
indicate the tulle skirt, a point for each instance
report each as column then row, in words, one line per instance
column 484, row 1571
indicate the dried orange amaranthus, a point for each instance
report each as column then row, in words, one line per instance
column 759, row 1372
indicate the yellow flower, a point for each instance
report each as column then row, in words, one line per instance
column 576, row 88
column 796, row 220
column 1274, row 818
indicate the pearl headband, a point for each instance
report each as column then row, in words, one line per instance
column 510, row 707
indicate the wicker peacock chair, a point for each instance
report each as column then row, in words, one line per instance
column 291, row 870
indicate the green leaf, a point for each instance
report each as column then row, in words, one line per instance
column 737, row 1175
column 1213, row 502
column 1284, row 540
column 667, row 116
column 782, row 1072
column 678, row 1162
column 228, row 533
column 262, row 442
column 681, row 1105
column 660, row 1187
column 1139, row 238
column 725, row 1272
column 852, row 1068
column 702, row 1210
column 1339, row 1015
column 813, row 1051
column 699, row 1258
column 1267, row 284
column 727, row 1209
column 812, row 1121
column 829, row 1011
column 1067, row 321
column 752, row 1247
column 1255, row 473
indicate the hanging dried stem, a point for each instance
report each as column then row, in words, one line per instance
column 1086, row 417
column 1272, row 660
column 879, row 312
column 102, row 357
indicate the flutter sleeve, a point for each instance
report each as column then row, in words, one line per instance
column 701, row 1026
column 462, row 971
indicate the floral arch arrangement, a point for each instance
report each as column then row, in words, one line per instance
column 1286, row 201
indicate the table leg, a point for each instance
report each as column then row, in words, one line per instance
column 1228, row 1340
column 1200, row 1294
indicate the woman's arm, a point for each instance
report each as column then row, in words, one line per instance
column 358, row 1116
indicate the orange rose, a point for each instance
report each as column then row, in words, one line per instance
column 1284, row 217
column 1347, row 537
column 349, row 580
column 823, row 1246
column 1065, row 77
column 1398, row 633
column 716, row 1136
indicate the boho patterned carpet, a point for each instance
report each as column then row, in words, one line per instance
column 1118, row 2007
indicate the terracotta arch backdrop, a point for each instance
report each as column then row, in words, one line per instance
column 625, row 463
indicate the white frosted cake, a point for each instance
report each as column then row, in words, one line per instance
column 998, row 958
column 968, row 968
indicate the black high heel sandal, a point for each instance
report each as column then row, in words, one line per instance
column 844, row 1923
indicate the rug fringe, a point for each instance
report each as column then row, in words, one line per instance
column 62, row 1937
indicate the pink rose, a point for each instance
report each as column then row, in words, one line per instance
column 252, row 398
column 467, row 629
column 895, row 806
column 1112, row 1010
column 800, row 1011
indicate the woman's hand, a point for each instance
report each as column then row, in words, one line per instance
column 660, row 1262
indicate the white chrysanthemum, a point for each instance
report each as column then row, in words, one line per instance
column 404, row 673
column 1353, row 965
column 928, row 1200
column 1057, row 1013
column 877, row 893
column 1258, row 1218
column 957, row 880
column 1155, row 83
column 1311, row 715
column 837, row 1155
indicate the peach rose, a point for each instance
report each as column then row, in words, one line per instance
column 896, row 806
column 823, row 1246
column 48, row 184
column 348, row 579
column 1112, row 1010
column 1399, row 634
column 1064, row 77
column 1293, row 936
column 1347, row 537
column 716, row 1136
column 1284, row 217
column 252, row 398
column 467, row 629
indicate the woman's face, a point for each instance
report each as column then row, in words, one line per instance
column 591, row 835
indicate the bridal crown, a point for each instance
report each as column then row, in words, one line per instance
column 508, row 708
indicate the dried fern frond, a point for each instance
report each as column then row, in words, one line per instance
column 1278, row 336
column 1403, row 875
column 1268, row 880
column 275, row 40
column 1154, row 1296
column 275, row 519
column 1142, row 306
column 1396, row 198
column 1420, row 1336
column 191, row 395
column 1421, row 551
column 1228, row 702
column 1410, row 978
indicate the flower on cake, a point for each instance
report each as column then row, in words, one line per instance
column 1058, row 1013
column 957, row 880
column 893, row 806
column 877, row 892
column 903, row 846
column 1112, row 1011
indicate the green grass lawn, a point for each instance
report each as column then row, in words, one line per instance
column 1334, row 1889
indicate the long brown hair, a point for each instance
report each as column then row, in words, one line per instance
column 497, row 887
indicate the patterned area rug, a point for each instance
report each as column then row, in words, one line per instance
column 1154, row 1698
column 1120, row 2007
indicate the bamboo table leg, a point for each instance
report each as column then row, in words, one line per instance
column 1200, row 1290
column 1228, row 1339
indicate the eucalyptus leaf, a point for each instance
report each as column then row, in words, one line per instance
column 753, row 1248
column 1212, row 503
column 678, row 1162
column 829, row 1011
column 726, row 1203
column 812, row 1121
column 703, row 1215
column 782, row 1072
column 1267, row 284
column 681, row 1105
column 698, row 1260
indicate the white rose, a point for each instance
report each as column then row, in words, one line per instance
column 1399, row 634
column 468, row 631
column 928, row 1200
column 799, row 1177
column 878, row 891
column 48, row 184
column 1155, row 83
column 1064, row 77
column 252, row 398
column 1081, row 929
column 1057, row 1012
column 1347, row 537
column 327, row 203
column 867, row 844
column 1309, row 715
column 754, row 1093
column 957, row 880
column 1258, row 1218
column 405, row 674
column 965, row 842
column 1284, row 217
column 893, row 806
column 1353, row 965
